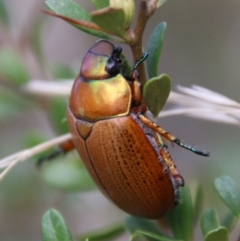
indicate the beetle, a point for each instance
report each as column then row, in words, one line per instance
column 119, row 145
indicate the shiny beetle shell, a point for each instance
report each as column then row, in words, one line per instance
column 120, row 151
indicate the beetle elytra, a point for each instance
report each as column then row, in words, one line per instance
column 119, row 145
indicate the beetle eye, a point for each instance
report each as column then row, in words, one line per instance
column 114, row 64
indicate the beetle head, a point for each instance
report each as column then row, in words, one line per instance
column 114, row 63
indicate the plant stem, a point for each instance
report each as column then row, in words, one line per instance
column 134, row 36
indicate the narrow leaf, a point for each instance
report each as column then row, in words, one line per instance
column 67, row 175
column 160, row 3
column 101, row 3
column 154, row 49
column 181, row 218
column 74, row 14
column 106, row 234
column 133, row 224
column 138, row 237
column 229, row 221
column 230, row 193
column 54, row 227
column 57, row 113
column 12, row 66
column 197, row 204
column 211, row 229
column 154, row 237
column 110, row 19
column 156, row 92
column 3, row 12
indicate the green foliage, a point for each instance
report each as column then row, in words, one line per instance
column 54, row 227
column 73, row 11
column 106, row 234
column 154, row 49
column 12, row 67
column 230, row 193
column 211, row 228
column 107, row 20
column 156, row 92
column 181, row 218
column 101, row 3
column 110, row 22
column 67, row 175
column 3, row 13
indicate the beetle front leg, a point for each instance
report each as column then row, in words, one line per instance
column 169, row 136
column 136, row 88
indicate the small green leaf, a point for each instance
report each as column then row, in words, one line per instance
column 54, row 227
column 156, row 92
column 11, row 104
column 70, row 9
column 229, row 221
column 151, row 236
column 160, row 3
column 67, row 174
column 57, row 112
column 198, row 201
column 138, row 237
column 62, row 71
column 106, row 234
column 111, row 19
column 133, row 224
column 12, row 66
column 211, row 229
column 3, row 12
column 230, row 193
column 181, row 218
column 154, row 49
column 101, row 3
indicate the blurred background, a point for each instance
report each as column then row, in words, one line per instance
column 201, row 46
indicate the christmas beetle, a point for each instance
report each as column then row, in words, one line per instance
column 120, row 146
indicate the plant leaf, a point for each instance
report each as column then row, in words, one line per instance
column 111, row 19
column 67, row 175
column 104, row 234
column 101, row 3
column 181, row 218
column 72, row 12
column 151, row 236
column 12, row 66
column 57, row 113
column 229, row 221
column 54, row 227
column 156, row 92
column 230, row 193
column 3, row 13
column 11, row 104
column 160, row 3
column 211, row 229
column 198, row 201
column 154, row 49
column 133, row 224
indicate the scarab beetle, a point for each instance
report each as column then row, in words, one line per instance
column 118, row 144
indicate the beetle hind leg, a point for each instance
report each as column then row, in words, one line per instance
column 170, row 165
column 169, row 136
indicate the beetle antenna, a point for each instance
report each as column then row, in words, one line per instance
column 190, row 148
column 145, row 55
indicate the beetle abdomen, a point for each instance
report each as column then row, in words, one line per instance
column 127, row 168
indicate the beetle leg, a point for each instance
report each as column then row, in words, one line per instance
column 64, row 148
column 136, row 89
column 169, row 136
column 171, row 165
